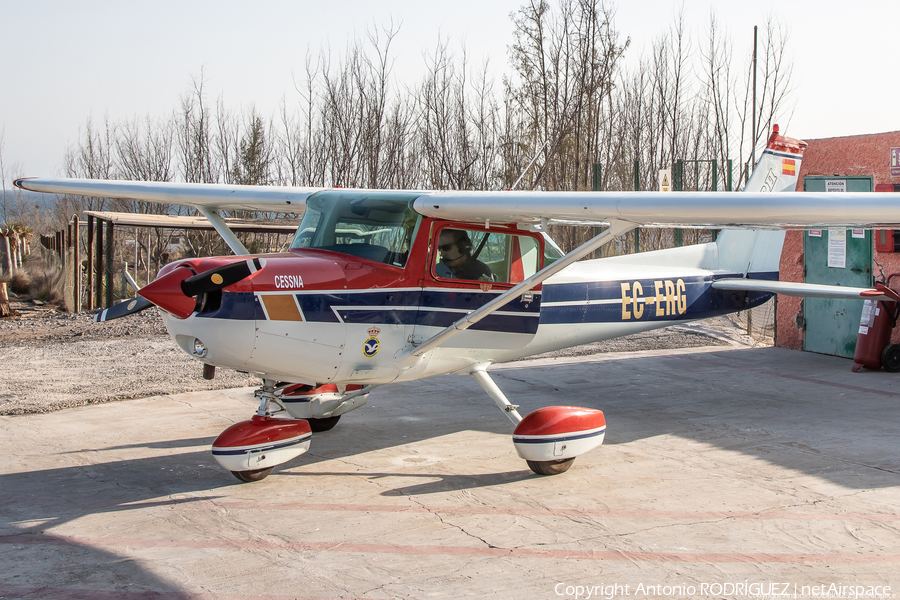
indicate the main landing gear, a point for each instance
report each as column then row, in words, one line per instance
column 548, row 438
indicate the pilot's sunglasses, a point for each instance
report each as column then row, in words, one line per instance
column 446, row 247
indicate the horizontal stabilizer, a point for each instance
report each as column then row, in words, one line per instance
column 809, row 290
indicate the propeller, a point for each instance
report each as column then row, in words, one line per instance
column 176, row 292
column 220, row 277
column 123, row 309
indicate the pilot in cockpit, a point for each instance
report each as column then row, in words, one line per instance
column 456, row 257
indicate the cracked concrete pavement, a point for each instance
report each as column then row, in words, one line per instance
column 721, row 466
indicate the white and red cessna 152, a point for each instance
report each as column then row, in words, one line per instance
column 389, row 286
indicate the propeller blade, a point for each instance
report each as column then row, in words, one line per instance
column 220, row 277
column 123, row 309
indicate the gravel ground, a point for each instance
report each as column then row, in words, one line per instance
column 61, row 360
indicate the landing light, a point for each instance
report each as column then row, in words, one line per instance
column 200, row 349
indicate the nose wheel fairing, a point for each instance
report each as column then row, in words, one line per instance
column 261, row 443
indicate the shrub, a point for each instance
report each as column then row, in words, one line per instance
column 20, row 282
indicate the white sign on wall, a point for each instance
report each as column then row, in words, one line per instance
column 837, row 248
column 835, row 185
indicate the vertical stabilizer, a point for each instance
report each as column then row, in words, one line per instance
column 759, row 252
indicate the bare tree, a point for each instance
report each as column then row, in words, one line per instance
column 567, row 102
column 194, row 136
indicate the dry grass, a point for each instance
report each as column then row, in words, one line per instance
column 38, row 280
column 20, row 283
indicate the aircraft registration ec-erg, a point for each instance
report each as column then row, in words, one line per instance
column 383, row 286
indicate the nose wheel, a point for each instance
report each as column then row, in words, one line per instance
column 251, row 476
column 323, row 424
column 250, row 449
column 550, row 467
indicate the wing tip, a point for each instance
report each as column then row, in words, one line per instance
column 18, row 182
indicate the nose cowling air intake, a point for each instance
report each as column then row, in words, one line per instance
column 177, row 291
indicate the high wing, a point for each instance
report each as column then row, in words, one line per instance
column 199, row 195
column 644, row 209
column 208, row 198
column 784, row 210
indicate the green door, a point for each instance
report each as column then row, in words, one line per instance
column 835, row 257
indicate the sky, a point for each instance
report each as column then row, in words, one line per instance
column 63, row 62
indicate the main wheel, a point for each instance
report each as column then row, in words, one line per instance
column 550, row 467
column 890, row 358
column 323, row 424
column 251, row 476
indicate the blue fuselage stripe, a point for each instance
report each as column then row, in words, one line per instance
column 658, row 299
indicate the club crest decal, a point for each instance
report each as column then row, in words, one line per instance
column 371, row 346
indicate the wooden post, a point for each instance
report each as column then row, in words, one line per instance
column 67, row 282
column 7, row 256
column 17, row 259
column 5, row 311
column 110, row 248
column 90, row 263
column 76, row 262
column 98, row 266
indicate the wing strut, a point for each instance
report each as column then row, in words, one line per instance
column 615, row 228
column 212, row 215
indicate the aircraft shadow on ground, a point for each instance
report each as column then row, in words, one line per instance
column 70, row 569
column 35, row 503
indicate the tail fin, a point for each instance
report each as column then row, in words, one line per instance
column 759, row 252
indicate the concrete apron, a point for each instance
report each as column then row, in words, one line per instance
column 726, row 467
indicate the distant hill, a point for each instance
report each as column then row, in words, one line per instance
column 41, row 200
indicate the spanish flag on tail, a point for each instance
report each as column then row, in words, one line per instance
column 788, row 167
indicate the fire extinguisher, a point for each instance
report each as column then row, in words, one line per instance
column 873, row 347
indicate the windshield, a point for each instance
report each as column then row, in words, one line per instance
column 552, row 251
column 377, row 226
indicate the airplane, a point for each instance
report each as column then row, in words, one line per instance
column 368, row 295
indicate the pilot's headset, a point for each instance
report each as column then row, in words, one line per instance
column 463, row 243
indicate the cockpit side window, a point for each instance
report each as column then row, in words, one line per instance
column 485, row 255
column 378, row 226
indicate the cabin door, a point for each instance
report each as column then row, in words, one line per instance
column 469, row 267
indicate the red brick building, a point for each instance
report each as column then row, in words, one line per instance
column 852, row 155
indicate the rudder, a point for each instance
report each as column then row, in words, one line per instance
column 757, row 253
